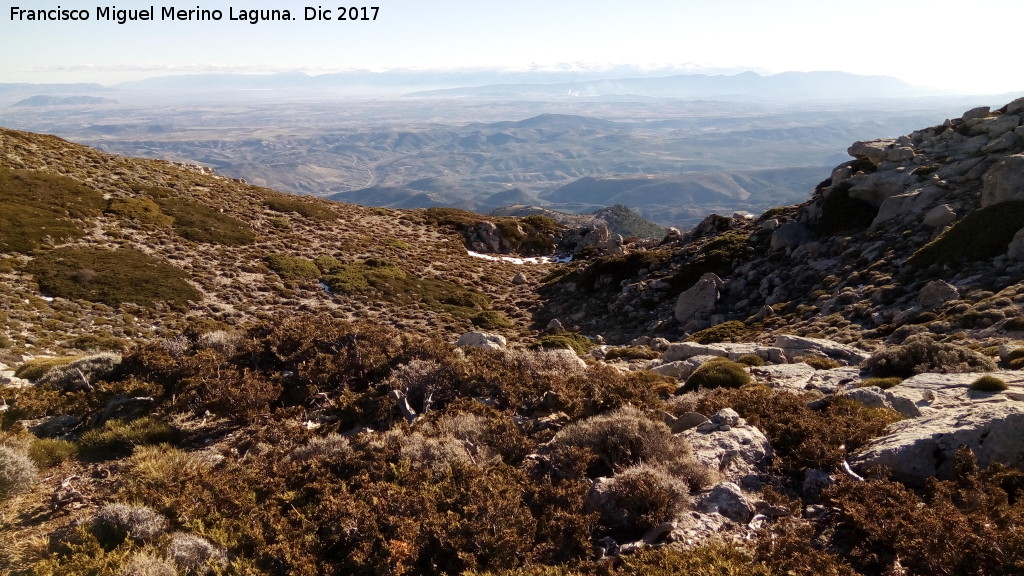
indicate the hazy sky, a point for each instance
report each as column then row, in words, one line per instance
column 966, row 47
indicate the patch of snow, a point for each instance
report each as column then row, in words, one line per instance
column 558, row 259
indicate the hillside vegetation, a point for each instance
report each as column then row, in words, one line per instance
column 206, row 377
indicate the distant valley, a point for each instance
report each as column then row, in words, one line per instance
column 674, row 149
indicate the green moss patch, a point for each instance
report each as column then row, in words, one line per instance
column 292, row 268
column 308, row 207
column 982, row 234
column 578, row 343
column 201, row 223
column 379, row 278
column 35, row 206
column 141, row 210
column 111, row 276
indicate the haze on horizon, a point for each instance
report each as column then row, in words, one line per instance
column 925, row 43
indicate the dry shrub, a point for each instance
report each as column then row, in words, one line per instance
column 717, row 373
column 642, row 497
column 989, row 384
column 968, row 525
column 113, row 523
column 624, row 438
column 81, row 373
column 920, row 353
column 223, row 341
column 331, row 448
column 17, row 472
column 435, row 453
column 195, row 554
column 801, row 437
column 146, row 564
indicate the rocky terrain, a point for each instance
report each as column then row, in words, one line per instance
column 207, row 377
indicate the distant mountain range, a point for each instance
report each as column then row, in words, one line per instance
column 632, row 83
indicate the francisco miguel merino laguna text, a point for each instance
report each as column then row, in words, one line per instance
column 197, row 14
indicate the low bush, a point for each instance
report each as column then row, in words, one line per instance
column 989, row 384
column 982, row 234
column 35, row 206
column 308, row 207
column 141, row 210
column 147, row 564
column 883, row 383
column 34, row 369
column 111, row 276
column 731, row 331
column 195, row 554
column 49, row 452
column 17, row 472
column 718, row 373
column 292, row 268
column 201, row 223
column 631, row 353
column 114, row 523
column 818, row 362
column 920, row 353
column 626, row 437
column 801, row 437
column 378, row 278
column 80, row 373
column 576, row 342
column 751, row 360
column 117, row 438
column 490, row 320
column 642, row 497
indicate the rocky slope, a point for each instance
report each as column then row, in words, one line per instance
column 207, row 377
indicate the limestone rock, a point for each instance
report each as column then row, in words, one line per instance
column 728, row 500
column 915, row 450
column 737, row 450
column 733, row 351
column 1015, row 250
column 936, row 293
column 874, row 188
column 790, row 235
column 942, row 215
column 695, row 305
column 979, row 112
column 482, row 340
column 684, row 422
column 680, row 369
column 1004, row 181
column 790, row 376
column 797, row 346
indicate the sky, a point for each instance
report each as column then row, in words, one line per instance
column 955, row 46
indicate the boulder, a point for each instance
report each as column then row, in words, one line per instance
column 936, row 293
column 791, row 376
column 979, row 112
column 876, row 187
column 1015, row 251
column 940, row 216
column 695, row 305
column 1004, row 181
column 728, row 500
column 798, row 346
column 921, row 448
column 482, row 340
column 739, row 451
column 733, row 351
column 875, row 151
column 790, row 235
column 680, row 369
